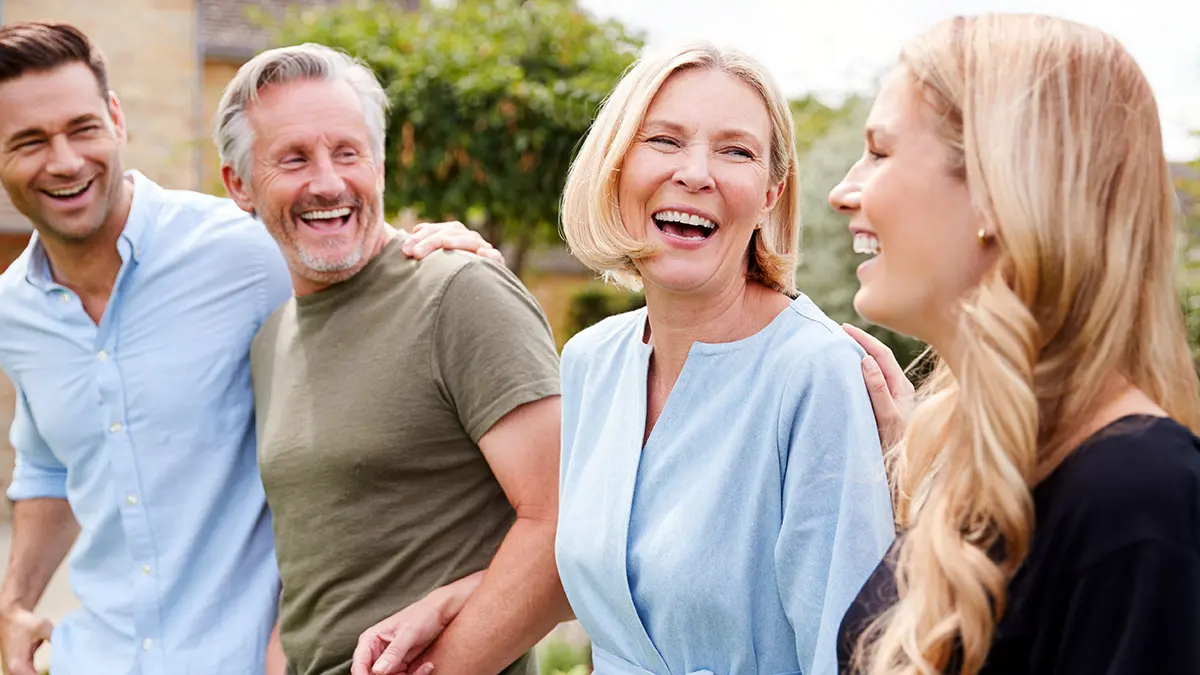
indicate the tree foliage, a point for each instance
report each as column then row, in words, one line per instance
column 489, row 102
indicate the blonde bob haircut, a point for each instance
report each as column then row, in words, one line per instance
column 591, row 216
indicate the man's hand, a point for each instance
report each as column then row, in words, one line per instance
column 452, row 235
column 21, row 633
column 391, row 646
column 892, row 395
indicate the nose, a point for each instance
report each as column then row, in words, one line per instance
column 64, row 160
column 693, row 173
column 326, row 182
column 846, row 196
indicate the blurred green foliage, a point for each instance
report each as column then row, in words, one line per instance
column 593, row 302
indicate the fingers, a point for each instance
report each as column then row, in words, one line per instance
column 21, row 664
column 453, row 236
column 887, row 414
column 893, row 373
column 399, row 652
column 370, row 646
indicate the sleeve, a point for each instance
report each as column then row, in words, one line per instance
column 493, row 349
column 573, row 363
column 837, row 513
column 1135, row 611
column 37, row 472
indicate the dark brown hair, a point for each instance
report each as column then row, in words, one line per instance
column 39, row 46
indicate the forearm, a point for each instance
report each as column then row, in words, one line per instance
column 518, row 602
column 42, row 533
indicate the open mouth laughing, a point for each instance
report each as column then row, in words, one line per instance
column 687, row 226
column 327, row 220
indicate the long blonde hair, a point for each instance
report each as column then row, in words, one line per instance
column 1056, row 132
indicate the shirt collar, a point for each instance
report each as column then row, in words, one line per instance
column 132, row 244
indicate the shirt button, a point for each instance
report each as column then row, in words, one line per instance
column 114, row 427
column 146, row 570
column 102, row 356
column 147, row 644
column 131, row 500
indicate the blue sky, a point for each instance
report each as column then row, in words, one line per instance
column 832, row 47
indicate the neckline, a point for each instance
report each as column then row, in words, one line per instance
column 701, row 347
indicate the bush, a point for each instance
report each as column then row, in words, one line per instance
column 561, row 657
column 595, row 302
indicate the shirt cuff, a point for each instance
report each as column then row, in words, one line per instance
column 35, row 484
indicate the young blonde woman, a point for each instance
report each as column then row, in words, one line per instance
column 1018, row 209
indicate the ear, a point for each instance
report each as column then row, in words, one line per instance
column 773, row 194
column 238, row 190
column 117, row 115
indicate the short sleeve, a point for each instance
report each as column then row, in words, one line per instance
column 37, row 472
column 837, row 514
column 1135, row 611
column 493, row 349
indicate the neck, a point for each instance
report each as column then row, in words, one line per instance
column 676, row 320
column 90, row 266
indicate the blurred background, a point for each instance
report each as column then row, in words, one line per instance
column 491, row 98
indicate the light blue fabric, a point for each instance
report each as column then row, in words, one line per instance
column 733, row 543
column 145, row 424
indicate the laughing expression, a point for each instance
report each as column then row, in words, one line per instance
column 695, row 183
column 60, row 143
column 315, row 182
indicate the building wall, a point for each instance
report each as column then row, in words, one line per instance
column 154, row 67
column 216, row 75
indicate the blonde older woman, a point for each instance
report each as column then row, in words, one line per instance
column 722, row 495
column 1048, row 481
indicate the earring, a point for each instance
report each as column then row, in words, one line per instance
column 983, row 235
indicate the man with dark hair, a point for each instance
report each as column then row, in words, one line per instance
column 125, row 327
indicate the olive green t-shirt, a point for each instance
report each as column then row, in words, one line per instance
column 371, row 397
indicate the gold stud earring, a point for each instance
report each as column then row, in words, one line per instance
column 983, row 235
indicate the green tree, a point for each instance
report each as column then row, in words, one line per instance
column 489, row 102
column 830, row 143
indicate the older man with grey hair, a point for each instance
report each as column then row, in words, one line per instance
column 408, row 413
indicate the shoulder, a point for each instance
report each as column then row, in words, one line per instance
column 812, row 348
column 265, row 337
column 1138, row 480
column 606, row 337
column 206, row 223
column 15, row 290
column 12, row 279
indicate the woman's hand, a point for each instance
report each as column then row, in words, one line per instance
column 892, row 395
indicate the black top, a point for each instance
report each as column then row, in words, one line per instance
column 1111, row 585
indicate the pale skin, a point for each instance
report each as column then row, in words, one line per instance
column 713, row 161
column 58, row 131
column 312, row 155
column 903, row 192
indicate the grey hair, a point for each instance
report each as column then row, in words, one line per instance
column 233, row 135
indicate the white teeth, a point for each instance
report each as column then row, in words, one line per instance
column 865, row 242
column 326, row 215
column 685, row 219
column 71, row 191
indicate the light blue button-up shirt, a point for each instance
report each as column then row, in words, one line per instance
column 145, row 424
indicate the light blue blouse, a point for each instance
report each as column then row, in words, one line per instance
column 735, row 540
